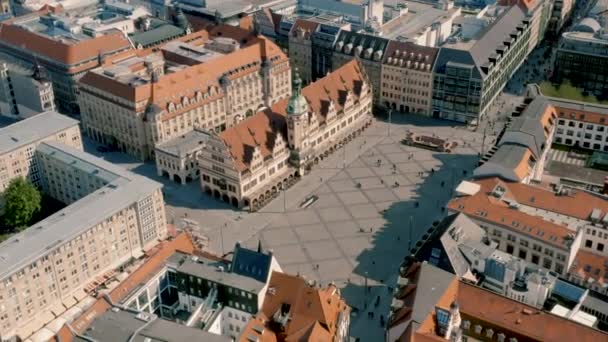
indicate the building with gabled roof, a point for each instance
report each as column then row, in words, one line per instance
column 562, row 230
column 482, row 55
column 520, row 151
column 206, row 79
column 41, row 38
column 294, row 309
column 456, row 310
column 248, row 164
column 111, row 216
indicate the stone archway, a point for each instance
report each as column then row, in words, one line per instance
column 235, row 202
column 166, row 174
column 225, row 198
column 274, row 189
column 177, row 179
column 208, row 190
column 216, row 194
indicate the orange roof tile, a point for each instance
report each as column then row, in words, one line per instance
column 149, row 268
column 588, row 265
column 576, row 203
column 515, row 318
column 200, row 77
column 485, row 207
column 70, row 53
column 582, row 115
column 314, row 312
column 262, row 128
column 306, row 25
column 503, row 315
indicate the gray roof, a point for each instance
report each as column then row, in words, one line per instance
column 447, row 56
column 503, row 163
column 364, row 40
column 63, row 226
column 120, row 326
column 33, row 129
column 478, row 52
column 253, row 264
column 495, row 34
column 156, row 35
column 527, row 129
column 210, row 270
column 451, row 231
column 432, row 284
column 185, row 144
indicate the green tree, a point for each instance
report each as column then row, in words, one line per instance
column 22, row 201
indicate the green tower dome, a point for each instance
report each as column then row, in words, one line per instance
column 297, row 102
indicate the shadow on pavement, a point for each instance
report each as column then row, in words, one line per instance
column 405, row 220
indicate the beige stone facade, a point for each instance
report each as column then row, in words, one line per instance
column 112, row 216
column 300, row 48
column 177, row 159
column 139, row 99
column 407, row 78
column 17, row 150
column 250, row 163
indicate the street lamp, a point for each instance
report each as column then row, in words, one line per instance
column 390, row 114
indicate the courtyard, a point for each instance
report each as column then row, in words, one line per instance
column 375, row 198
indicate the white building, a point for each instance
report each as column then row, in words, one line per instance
column 112, row 216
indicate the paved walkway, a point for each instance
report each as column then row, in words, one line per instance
column 362, row 225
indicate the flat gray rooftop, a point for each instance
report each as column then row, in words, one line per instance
column 577, row 105
column 63, row 226
column 420, row 16
column 121, row 326
column 185, row 144
column 210, row 270
column 32, row 129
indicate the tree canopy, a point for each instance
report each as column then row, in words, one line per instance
column 22, row 200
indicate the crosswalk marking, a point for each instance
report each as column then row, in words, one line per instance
column 562, row 157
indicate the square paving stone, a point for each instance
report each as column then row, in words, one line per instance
column 352, row 197
column 302, row 217
column 342, row 185
column 355, row 245
column 313, row 232
column 291, row 254
column 334, row 214
column 327, row 201
column 321, row 250
column 364, row 211
column 334, row 270
column 360, row 172
column 279, row 236
column 343, row 228
column 380, row 195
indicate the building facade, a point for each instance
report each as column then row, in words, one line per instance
column 251, row 162
column 143, row 101
column 582, row 57
column 19, row 142
column 472, row 71
column 65, row 56
column 24, row 92
column 407, row 78
column 369, row 50
column 177, row 159
column 112, row 216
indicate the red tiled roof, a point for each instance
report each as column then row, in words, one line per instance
column 262, row 128
column 484, row 207
column 314, row 312
column 503, row 315
column 156, row 258
column 588, row 266
column 70, row 53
